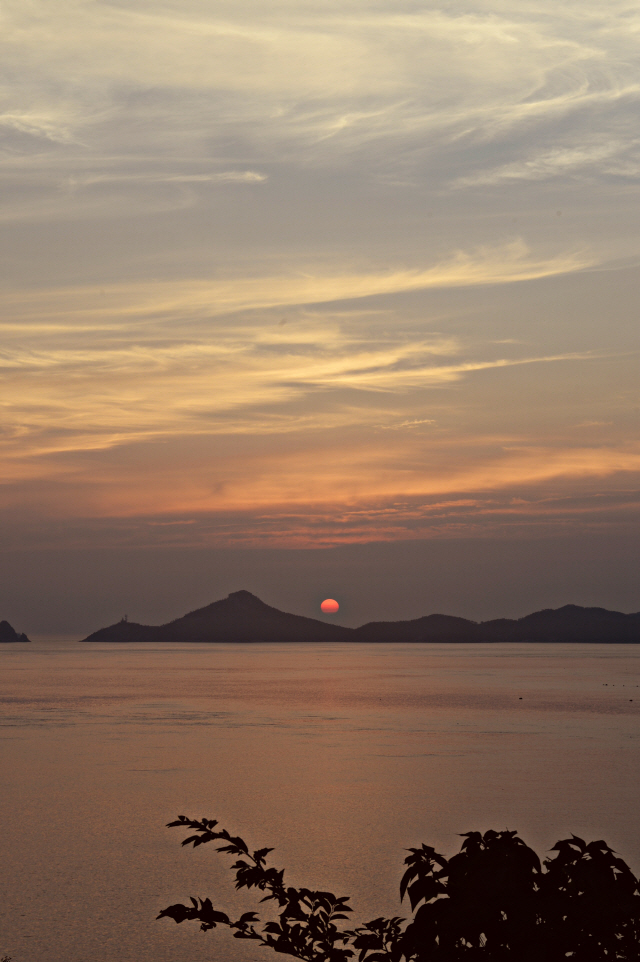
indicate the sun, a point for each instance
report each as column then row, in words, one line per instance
column 329, row 606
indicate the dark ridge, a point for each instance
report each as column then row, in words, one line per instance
column 126, row 631
column 570, row 623
column 9, row 635
column 240, row 618
column 429, row 628
column 243, row 618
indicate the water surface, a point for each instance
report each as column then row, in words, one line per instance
column 339, row 756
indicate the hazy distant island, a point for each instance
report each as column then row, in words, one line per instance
column 243, row 618
column 8, row 634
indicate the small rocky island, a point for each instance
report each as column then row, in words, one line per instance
column 9, row 634
column 243, row 618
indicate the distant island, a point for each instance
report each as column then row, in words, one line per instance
column 8, row 634
column 243, row 618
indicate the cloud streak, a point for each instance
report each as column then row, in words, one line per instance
column 137, row 362
column 509, row 263
column 319, row 82
column 265, row 258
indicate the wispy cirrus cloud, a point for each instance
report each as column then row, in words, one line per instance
column 217, row 177
column 113, row 365
column 512, row 262
column 555, row 163
column 317, row 82
column 264, row 255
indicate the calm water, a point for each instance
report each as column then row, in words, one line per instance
column 338, row 756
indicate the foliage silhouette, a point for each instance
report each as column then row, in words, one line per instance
column 492, row 901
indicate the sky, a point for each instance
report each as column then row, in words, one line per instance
column 317, row 296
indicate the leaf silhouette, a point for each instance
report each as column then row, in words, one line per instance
column 491, row 902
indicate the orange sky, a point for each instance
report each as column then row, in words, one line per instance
column 317, row 273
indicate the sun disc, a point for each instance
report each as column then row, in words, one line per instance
column 329, row 606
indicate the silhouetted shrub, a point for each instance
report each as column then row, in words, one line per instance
column 492, row 901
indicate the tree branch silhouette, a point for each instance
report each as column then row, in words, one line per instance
column 492, row 901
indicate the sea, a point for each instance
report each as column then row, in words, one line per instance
column 339, row 757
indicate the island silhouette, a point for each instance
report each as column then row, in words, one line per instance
column 9, row 634
column 244, row 618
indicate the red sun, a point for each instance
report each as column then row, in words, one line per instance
column 329, row 606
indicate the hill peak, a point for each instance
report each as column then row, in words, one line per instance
column 245, row 598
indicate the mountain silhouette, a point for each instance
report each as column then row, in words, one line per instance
column 239, row 618
column 432, row 628
column 243, row 618
column 568, row 624
column 8, row 634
